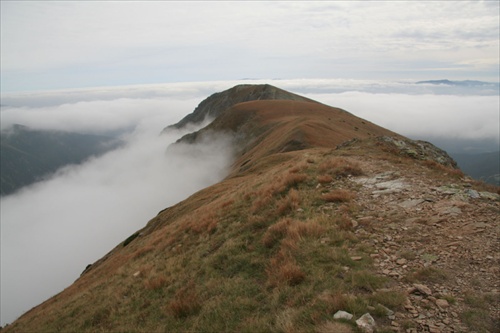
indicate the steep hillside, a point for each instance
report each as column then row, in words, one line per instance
column 28, row 155
column 321, row 212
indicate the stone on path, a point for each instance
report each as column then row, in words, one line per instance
column 342, row 315
column 366, row 323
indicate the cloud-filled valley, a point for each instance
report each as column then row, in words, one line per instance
column 54, row 228
column 51, row 230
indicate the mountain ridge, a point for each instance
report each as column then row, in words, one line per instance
column 315, row 216
column 217, row 103
column 29, row 155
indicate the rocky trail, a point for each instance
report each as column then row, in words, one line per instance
column 437, row 243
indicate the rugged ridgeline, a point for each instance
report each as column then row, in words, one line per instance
column 216, row 104
column 321, row 212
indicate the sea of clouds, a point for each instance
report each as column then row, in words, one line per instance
column 52, row 229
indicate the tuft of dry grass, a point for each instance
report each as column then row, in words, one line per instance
column 155, row 283
column 343, row 222
column 185, row 302
column 276, row 232
column 334, row 327
column 293, row 179
column 428, row 274
column 207, row 223
column 288, row 203
column 300, row 230
column 392, row 299
column 141, row 252
column 291, row 274
column 325, row 179
column 341, row 167
column 338, row 196
column 335, row 301
column 263, row 200
column 283, row 270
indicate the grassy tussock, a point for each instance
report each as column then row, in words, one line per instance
column 289, row 203
column 185, row 302
column 298, row 231
column 364, row 280
column 293, row 230
column 288, row 233
column 284, row 182
column 276, row 232
column 142, row 251
column 392, row 299
column 280, row 185
column 340, row 167
column 283, row 269
column 455, row 173
column 154, row 283
column 428, row 274
column 334, row 326
column 324, row 179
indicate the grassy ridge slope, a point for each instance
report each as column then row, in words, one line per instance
column 288, row 238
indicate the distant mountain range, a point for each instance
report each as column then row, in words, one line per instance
column 464, row 83
column 28, row 155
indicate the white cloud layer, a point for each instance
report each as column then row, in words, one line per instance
column 53, row 229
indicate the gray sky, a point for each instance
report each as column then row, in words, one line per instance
column 70, row 44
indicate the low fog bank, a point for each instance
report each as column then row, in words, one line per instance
column 51, row 230
column 98, row 117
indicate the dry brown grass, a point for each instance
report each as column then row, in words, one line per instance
column 298, row 168
column 263, row 200
column 293, row 179
column 291, row 274
column 276, row 232
column 334, row 327
column 206, row 223
column 341, row 167
column 288, row 203
column 142, row 251
column 455, row 173
column 154, row 283
column 324, row 179
column 282, row 270
column 185, row 303
column 292, row 230
column 335, row 301
column 482, row 186
column 300, row 230
column 338, row 196
column 343, row 222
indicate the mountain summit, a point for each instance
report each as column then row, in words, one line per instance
column 219, row 102
column 325, row 223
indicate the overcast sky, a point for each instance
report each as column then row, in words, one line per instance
column 68, row 44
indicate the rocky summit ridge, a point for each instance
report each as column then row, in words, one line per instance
column 216, row 104
column 325, row 223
